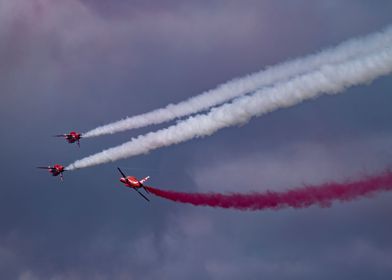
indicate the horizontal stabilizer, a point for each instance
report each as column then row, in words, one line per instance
column 144, row 179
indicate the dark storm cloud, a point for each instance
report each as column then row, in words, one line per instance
column 78, row 64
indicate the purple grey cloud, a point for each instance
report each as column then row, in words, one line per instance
column 78, row 64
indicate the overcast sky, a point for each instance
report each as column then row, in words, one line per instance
column 77, row 64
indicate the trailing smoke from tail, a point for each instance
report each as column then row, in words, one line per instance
column 304, row 197
column 330, row 79
column 241, row 86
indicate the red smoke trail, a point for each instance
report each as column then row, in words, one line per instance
column 323, row 195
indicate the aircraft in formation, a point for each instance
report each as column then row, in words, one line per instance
column 55, row 170
column 129, row 181
column 71, row 137
column 133, row 183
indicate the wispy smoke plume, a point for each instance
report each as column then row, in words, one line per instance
column 331, row 79
column 240, row 86
column 322, row 195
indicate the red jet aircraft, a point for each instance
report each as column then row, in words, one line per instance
column 71, row 137
column 55, row 170
column 133, row 183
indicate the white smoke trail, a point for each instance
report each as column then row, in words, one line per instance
column 332, row 78
column 240, row 86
